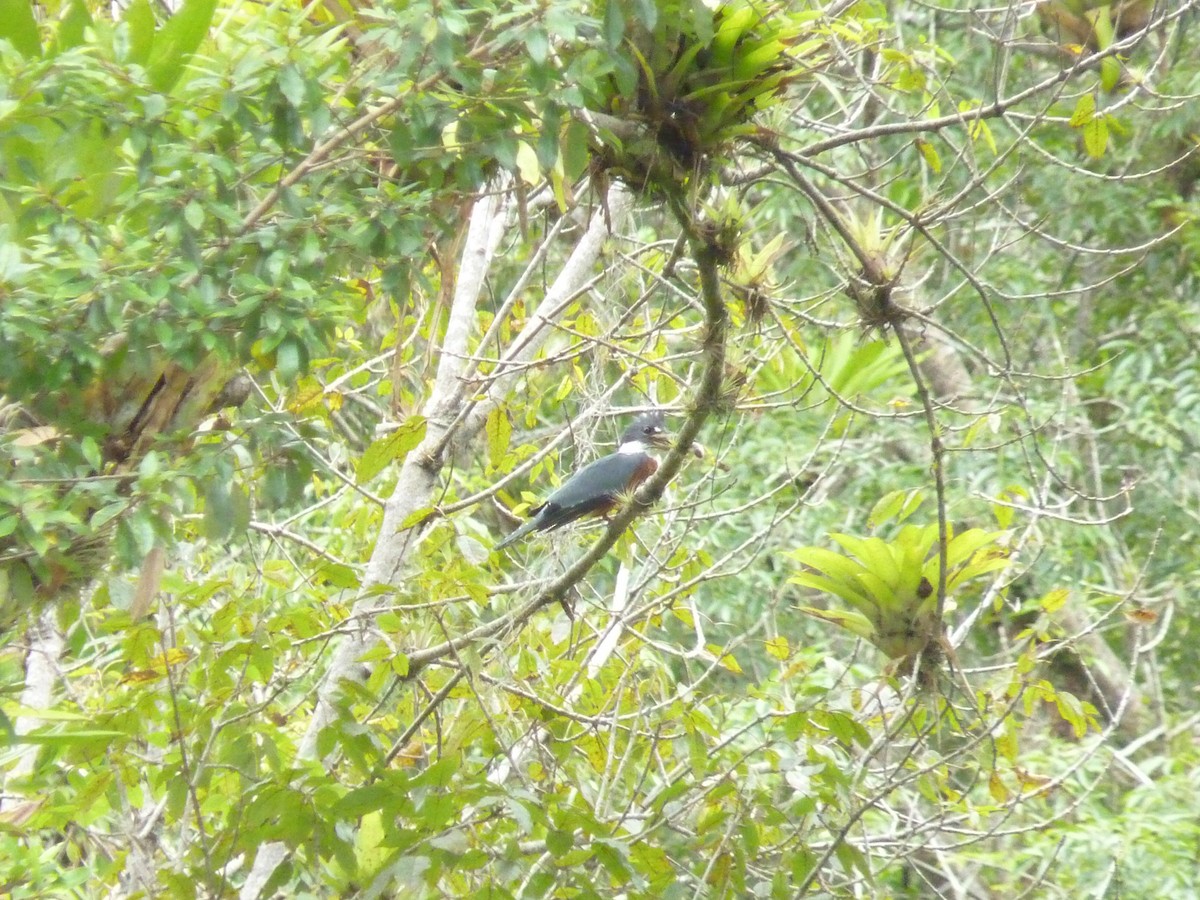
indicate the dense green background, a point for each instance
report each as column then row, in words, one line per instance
column 957, row 255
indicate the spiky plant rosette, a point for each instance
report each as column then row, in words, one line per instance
column 687, row 83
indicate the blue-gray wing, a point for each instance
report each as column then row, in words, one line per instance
column 600, row 481
column 593, row 489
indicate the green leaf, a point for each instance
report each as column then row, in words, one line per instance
column 107, row 513
column 778, row 647
column 930, row 155
column 1110, row 73
column 218, row 509
column 19, row 27
column 528, row 166
column 71, row 28
column 827, row 561
column 574, row 149
column 139, row 19
column 291, row 85
column 365, row 800
column 887, row 507
column 389, row 448
column 559, row 842
column 881, row 591
column 290, row 357
column 963, row 546
column 841, row 589
column 499, row 435
column 177, row 41
column 1072, row 710
column 614, row 24
column 873, row 553
column 339, row 575
column 66, row 738
column 1085, row 111
column 1095, row 137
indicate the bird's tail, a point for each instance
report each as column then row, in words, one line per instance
column 525, row 528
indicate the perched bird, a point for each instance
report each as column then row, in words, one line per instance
column 597, row 487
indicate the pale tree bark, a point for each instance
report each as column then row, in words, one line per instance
column 444, row 411
column 419, row 471
column 413, row 490
column 41, row 673
column 574, row 276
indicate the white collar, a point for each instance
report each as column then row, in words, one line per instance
column 634, row 448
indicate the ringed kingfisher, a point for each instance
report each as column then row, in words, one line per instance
column 597, row 487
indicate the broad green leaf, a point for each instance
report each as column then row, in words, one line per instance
column 848, row 592
column 177, row 40
column 390, row 448
column 67, row 738
column 963, row 546
column 226, row 509
column 339, row 575
column 726, row 660
column 574, row 149
column 778, row 647
column 19, row 27
column 849, row 619
column 828, row 562
column 498, row 428
column 1110, row 73
column 71, row 28
column 1072, row 710
column 528, row 166
column 1085, row 111
column 139, row 19
column 977, row 569
column 930, row 155
column 1095, row 136
column 372, row 798
column 886, row 507
column 614, row 25
column 873, row 553
column 882, row 592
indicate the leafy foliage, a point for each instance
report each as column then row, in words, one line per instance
column 893, row 586
column 297, row 302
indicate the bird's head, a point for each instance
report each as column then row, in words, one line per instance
column 648, row 430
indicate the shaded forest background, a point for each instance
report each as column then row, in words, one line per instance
column 304, row 306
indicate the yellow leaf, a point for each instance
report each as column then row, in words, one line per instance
column 450, row 137
column 778, row 647
column 684, row 615
column 1095, row 137
column 1053, row 600
column 173, row 657
column 930, row 155
column 996, row 788
column 726, row 660
column 499, row 434
column 1030, row 781
column 527, row 164
column 1085, row 111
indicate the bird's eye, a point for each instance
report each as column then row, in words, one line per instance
column 650, row 429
